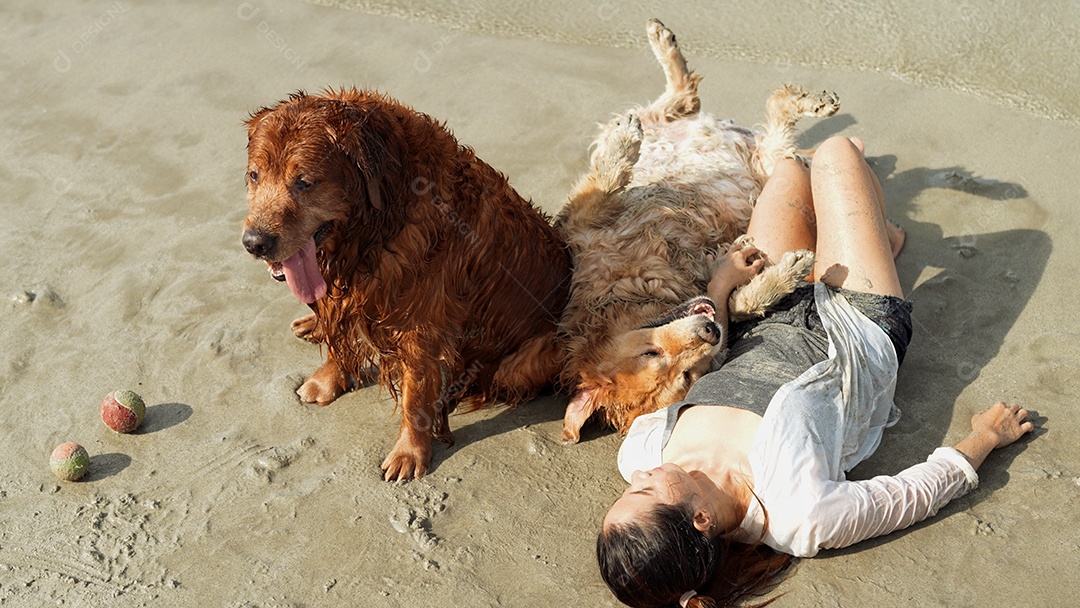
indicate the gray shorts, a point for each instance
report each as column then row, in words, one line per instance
column 766, row 353
column 891, row 314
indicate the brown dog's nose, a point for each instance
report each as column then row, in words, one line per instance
column 257, row 243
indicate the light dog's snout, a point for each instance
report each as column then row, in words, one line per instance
column 709, row 332
column 258, row 244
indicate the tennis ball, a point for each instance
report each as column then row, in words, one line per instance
column 69, row 461
column 123, row 411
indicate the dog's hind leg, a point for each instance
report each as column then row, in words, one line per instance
column 680, row 98
column 535, row 364
column 785, row 106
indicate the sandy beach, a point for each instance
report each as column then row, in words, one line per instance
column 122, row 155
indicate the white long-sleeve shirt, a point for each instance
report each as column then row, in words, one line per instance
column 817, row 427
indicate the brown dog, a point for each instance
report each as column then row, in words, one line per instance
column 414, row 254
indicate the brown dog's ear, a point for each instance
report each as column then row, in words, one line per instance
column 373, row 192
column 365, row 135
column 580, row 408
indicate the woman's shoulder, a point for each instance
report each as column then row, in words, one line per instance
column 642, row 449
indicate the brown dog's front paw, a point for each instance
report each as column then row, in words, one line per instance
column 324, row 386
column 408, row 460
column 307, row 328
column 570, row 436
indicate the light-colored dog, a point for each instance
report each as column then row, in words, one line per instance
column 669, row 190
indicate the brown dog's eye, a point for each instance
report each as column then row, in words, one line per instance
column 651, row 353
column 253, row 177
column 302, row 184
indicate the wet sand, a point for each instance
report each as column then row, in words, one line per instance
column 122, row 160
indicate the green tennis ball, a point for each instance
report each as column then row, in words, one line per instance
column 123, row 411
column 69, row 461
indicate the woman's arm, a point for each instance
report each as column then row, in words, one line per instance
column 857, row 510
column 993, row 428
column 733, row 270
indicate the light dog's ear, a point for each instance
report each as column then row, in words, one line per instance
column 580, row 408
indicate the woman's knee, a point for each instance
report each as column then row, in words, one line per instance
column 837, row 150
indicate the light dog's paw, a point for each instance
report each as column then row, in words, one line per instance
column 797, row 264
column 766, row 289
column 822, row 104
column 659, row 35
column 626, row 130
column 744, row 241
column 626, row 135
column 791, row 101
column 620, row 146
column 826, row 104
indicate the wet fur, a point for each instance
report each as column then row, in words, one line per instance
column 437, row 270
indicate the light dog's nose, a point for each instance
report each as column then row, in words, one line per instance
column 709, row 332
column 257, row 243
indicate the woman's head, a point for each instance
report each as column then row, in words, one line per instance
column 659, row 542
column 655, row 560
column 655, row 544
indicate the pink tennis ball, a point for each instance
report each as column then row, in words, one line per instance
column 69, row 461
column 123, row 411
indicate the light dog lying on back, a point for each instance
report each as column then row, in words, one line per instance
column 668, row 190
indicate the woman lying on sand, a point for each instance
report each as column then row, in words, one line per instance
column 806, row 394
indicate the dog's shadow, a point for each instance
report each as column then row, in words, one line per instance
column 474, row 427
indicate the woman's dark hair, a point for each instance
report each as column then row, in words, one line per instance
column 653, row 562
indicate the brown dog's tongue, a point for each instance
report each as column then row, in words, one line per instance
column 303, row 276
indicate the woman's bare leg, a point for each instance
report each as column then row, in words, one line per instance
column 897, row 236
column 853, row 246
column 783, row 217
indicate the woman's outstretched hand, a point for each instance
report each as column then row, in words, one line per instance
column 992, row 428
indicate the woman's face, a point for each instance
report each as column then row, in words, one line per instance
column 666, row 484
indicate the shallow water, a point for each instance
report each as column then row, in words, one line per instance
column 1019, row 54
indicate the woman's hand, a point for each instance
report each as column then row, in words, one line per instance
column 1002, row 424
column 992, row 428
column 734, row 269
